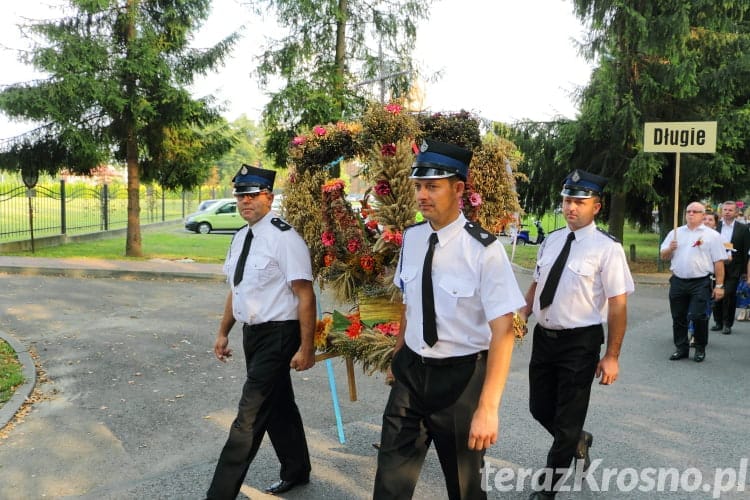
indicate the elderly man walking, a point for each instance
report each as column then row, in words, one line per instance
column 696, row 252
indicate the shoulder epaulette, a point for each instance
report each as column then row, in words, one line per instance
column 610, row 236
column 415, row 224
column 479, row 233
column 280, row 224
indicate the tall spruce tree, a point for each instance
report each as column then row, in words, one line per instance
column 329, row 48
column 118, row 72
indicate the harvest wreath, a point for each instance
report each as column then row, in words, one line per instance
column 355, row 252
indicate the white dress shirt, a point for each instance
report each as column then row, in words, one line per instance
column 596, row 270
column 276, row 259
column 472, row 283
column 697, row 250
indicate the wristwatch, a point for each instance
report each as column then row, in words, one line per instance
column 719, row 286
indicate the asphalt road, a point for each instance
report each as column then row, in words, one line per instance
column 137, row 407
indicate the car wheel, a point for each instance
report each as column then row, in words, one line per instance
column 204, row 228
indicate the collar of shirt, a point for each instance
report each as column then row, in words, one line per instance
column 445, row 234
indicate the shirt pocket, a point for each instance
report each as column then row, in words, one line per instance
column 450, row 293
column 409, row 283
column 260, row 269
column 584, row 269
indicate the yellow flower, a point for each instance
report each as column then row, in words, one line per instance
column 322, row 329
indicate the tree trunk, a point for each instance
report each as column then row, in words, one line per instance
column 133, row 244
column 617, row 214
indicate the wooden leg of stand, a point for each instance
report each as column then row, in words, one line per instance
column 350, row 379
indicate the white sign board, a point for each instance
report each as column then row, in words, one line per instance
column 679, row 137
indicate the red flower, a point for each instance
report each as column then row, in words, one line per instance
column 393, row 108
column 355, row 327
column 328, row 259
column 367, row 262
column 389, row 329
column 698, row 242
column 371, row 224
column 328, row 238
column 353, row 245
column 388, row 149
column 382, row 188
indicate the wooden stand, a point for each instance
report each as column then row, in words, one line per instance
column 349, row 372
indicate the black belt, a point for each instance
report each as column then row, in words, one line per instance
column 269, row 325
column 553, row 334
column 693, row 279
column 454, row 360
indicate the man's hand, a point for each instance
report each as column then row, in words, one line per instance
column 303, row 359
column 483, row 432
column 607, row 369
column 221, row 351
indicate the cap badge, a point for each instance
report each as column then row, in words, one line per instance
column 243, row 171
column 575, row 176
column 424, row 146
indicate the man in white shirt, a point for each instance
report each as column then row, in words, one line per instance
column 696, row 252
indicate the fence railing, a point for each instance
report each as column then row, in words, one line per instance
column 77, row 208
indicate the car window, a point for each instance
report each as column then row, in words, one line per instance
column 229, row 208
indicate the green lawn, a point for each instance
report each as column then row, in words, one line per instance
column 646, row 247
column 174, row 242
column 11, row 374
column 171, row 242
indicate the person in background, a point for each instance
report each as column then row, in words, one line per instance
column 736, row 238
column 696, row 252
column 270, row 277
column 581, row 281
column 454, row 347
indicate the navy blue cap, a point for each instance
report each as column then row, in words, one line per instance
column 253, row 180
column 437, row 160
column 582, row 184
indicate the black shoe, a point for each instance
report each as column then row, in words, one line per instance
column 582, row 450
column 700, row 354
column 283, row 486
column 680, row 355
column 716, row 327
column 727, row 330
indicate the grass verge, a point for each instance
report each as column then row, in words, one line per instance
column 170, row 243
column 11, row 372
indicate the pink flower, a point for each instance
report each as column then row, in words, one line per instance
column 353, row 245
column 475, row 199
column 393, row 108
column 382, row 188
column 319, row 131
column 299, row 140
column 388, row 149
column 328, row 238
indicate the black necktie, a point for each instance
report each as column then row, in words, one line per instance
column 429, row 332
column 550, row 287
column 240, row 269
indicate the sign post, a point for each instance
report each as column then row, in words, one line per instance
column 679, row 137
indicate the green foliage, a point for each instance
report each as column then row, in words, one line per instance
column 663, row 60
column 11, row 372
column 117, row 88
column 330, row 46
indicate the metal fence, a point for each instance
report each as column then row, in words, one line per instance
column 77, row 208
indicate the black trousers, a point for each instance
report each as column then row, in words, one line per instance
column 688, row 300
column 430, row 404
column 561, row 371
column 267, row 405
column 725, row 309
